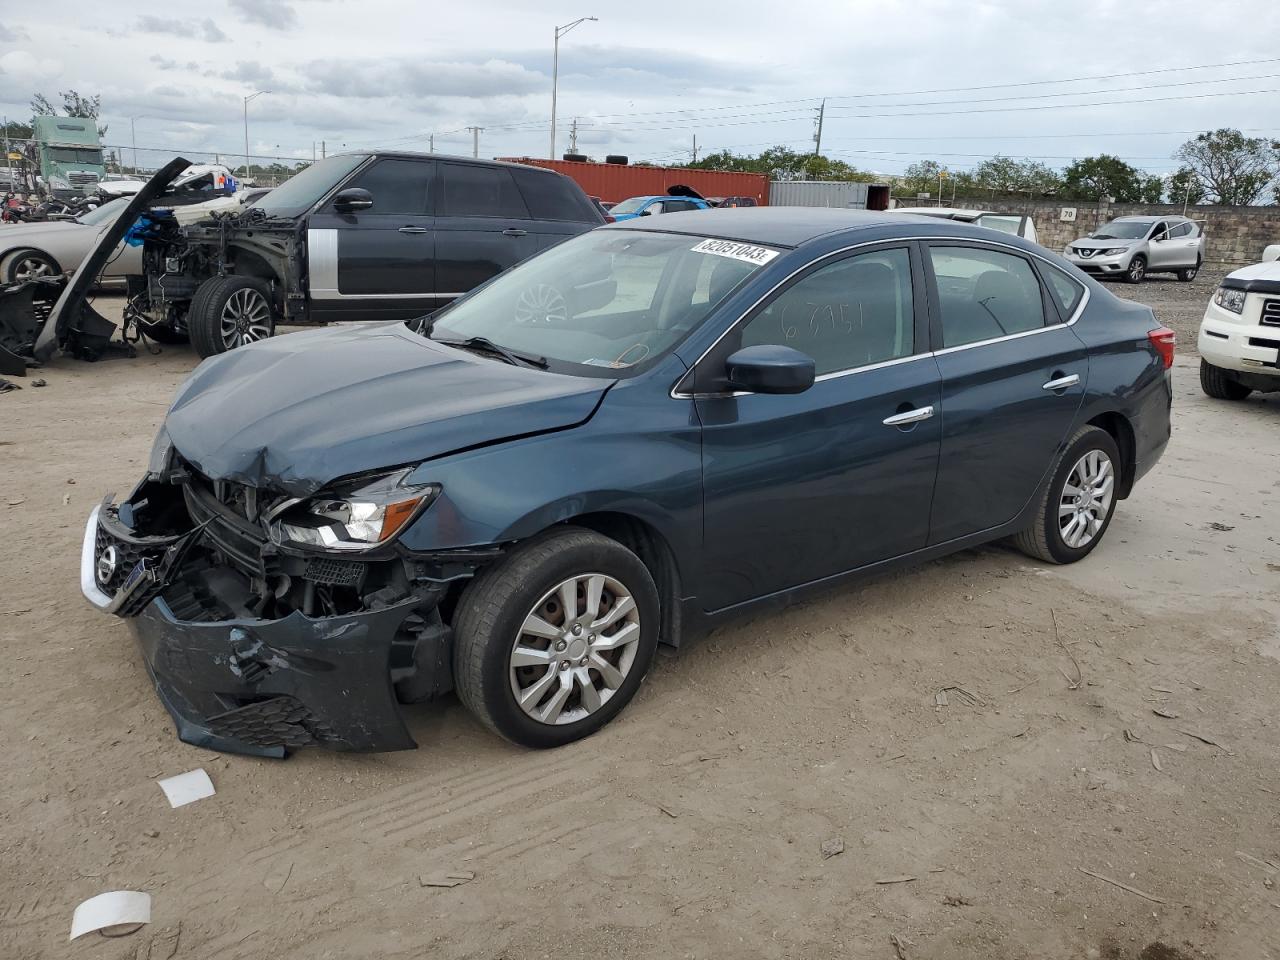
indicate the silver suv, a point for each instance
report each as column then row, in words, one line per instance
column 1132, row 247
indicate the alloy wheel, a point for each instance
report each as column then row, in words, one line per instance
column 541, row 304
column 246, row 318
column 1086, row 499
column 31, row 268
column 1137, row 269
column 574, row 649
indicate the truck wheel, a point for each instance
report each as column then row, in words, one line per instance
column 1076, row 507
column 228, row 312
column 23, row 265
column 1187, row 274
column 552, row 643
column 1137, row 271
column 1215, row 382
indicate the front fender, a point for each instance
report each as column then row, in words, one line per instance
column 640, row 455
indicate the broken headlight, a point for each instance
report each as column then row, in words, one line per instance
column 358, row 515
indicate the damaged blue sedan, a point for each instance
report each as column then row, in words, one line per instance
column 620, row 443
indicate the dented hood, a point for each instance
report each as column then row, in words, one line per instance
column 298, row 411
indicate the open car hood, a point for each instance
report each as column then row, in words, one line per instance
column 298, row 411
column 71, row 311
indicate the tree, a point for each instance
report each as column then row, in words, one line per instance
column 1094, row 178
column 1152, row 189
column 1233, row 170
column 1185, row 187
column 73, row 105
column 1006, row 175
column 783, row 163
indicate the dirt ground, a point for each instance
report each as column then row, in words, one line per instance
column 1137, row 741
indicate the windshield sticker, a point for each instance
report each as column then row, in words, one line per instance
column 746, row 252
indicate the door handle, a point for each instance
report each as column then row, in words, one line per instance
column 413, row 229
column 514, row 232
column 909, row 417
column 1061, row 383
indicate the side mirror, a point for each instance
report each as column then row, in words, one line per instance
column 352, row 199
column 769, row 369
column 647, row 212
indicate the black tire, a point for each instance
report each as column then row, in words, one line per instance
column 1044, row 538
column 1187, row 274
column 205, row 316
column 1137, row 271
column 494, row 607
column 1215, row 382
column 27, row 264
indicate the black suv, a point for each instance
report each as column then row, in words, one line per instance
column 358, row 236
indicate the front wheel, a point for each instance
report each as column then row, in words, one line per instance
column 1215, row 383
column 1077, row 506
column 553, row 642
column 229, row 312
column 29, row 265
column 1187, row 274
column 1137, row 271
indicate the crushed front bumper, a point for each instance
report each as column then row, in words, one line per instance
column 255, row 686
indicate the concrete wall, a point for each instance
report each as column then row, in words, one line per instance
column 1236, row 235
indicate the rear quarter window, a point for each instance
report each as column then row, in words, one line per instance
column 1066, row 292
column 552, row 197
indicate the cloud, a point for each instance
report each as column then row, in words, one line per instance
column 252, row 73
column 23, row 67
column 205, row 29
column 11, row 35
column 418, row 78
column 267, row 13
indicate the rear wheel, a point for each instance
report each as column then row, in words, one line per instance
column 1215, row 382
column 1077, row 505
column 1137, row 271
column 23, row 265
column 1187, row 274
column 229, row 312
column 552, row 643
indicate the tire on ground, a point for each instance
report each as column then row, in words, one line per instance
column 1043, row 538
column 204, row 316
column 11, row 263
column 1137, row 271
column 494, row 606
column 1187, row 274
column 1215, row 382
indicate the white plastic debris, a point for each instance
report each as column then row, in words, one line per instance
column 187, row 787
column 116, row 914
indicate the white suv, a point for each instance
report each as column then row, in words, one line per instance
column 1240, row 334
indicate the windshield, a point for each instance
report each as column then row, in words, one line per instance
column 1123, row 230
column 304, row 189
column 1005, row 224
column 628, row 206
column 608, row 301
column 105, row 213
column 75, row 155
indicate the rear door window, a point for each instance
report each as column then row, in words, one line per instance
column 984, row 294
column 1066, row 292
column 551, row 197
column 479, row 191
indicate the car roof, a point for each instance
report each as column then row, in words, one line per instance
column 419, row 155
column 777, row 226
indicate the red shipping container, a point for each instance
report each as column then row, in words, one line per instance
column 615, row 182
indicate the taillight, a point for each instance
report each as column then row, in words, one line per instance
column 1164, row 340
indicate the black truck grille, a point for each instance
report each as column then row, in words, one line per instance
column 127, row 557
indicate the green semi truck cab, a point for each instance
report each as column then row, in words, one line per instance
column 70, row 155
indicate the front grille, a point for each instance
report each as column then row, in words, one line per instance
column 278, row 722
column 127, row 557
column 238, row 540
column 1084, row 253
column 1271, row 313
column 81, row 179
column 335, row 573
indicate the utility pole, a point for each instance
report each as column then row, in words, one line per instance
column 7, row 162
column 321, row 149
column 555, row 76
column 313, row 151
column 573, row 136
column 817, row 137
column 431, row 143
column 695, row 148
column 475, row 140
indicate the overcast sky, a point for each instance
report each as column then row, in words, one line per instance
column 650, row 75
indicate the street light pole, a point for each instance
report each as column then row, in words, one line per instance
column 133, row 132
column 252, row 96
column 555, row 75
